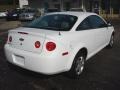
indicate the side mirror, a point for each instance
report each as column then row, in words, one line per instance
column 109, row 24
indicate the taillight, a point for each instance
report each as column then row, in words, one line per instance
column 37, row 44
column 50, row 46
column 10, row 39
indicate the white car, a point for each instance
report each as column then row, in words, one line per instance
column 58, row 42
column 2, row 14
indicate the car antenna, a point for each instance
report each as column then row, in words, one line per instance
column 59, row 26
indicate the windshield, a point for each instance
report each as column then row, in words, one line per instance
column 55, row 22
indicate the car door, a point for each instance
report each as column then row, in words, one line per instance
column 100, row 28
column 92, row 32
column 86, row 35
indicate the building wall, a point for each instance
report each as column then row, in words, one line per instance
column 55, row 3
column 98, row 6
column 7, row 7
column 89, row 5
column 36, row 3
column 64, row 4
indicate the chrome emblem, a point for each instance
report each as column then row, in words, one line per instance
column 21, row 39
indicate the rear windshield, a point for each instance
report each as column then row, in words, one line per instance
column 55, row 22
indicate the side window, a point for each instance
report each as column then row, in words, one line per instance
column 84, row 25
column 97, row 22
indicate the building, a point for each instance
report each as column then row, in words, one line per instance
column 60, row 4
column 103, row 7
column 89, row 5
column 106, row 8
column 8, row 4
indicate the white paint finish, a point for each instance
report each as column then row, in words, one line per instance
column 51, row 62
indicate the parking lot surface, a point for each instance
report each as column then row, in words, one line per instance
column 102, row 71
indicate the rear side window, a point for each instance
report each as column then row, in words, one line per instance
column 97, row 22
column 84, row 25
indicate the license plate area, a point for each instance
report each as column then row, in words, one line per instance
column 20, row 60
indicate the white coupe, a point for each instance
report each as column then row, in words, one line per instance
column 59, row 42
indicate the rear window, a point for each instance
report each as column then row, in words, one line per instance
column 57, row 22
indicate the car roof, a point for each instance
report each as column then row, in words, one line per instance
column 78, row 14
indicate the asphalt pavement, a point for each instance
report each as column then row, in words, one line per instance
column 102, row 72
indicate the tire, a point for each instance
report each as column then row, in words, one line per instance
column 77, row 66
column 111, row 43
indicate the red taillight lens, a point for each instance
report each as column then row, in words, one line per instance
column 37, row 44
column 10, row 39
column 50, row 46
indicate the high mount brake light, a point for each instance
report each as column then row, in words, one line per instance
column 50, row 46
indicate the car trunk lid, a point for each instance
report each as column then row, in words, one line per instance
column 25, row 38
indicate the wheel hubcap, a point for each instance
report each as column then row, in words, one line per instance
column 79, row 65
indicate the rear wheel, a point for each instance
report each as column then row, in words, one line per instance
column 78, row 66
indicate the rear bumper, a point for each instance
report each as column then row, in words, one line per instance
column 36, row 62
